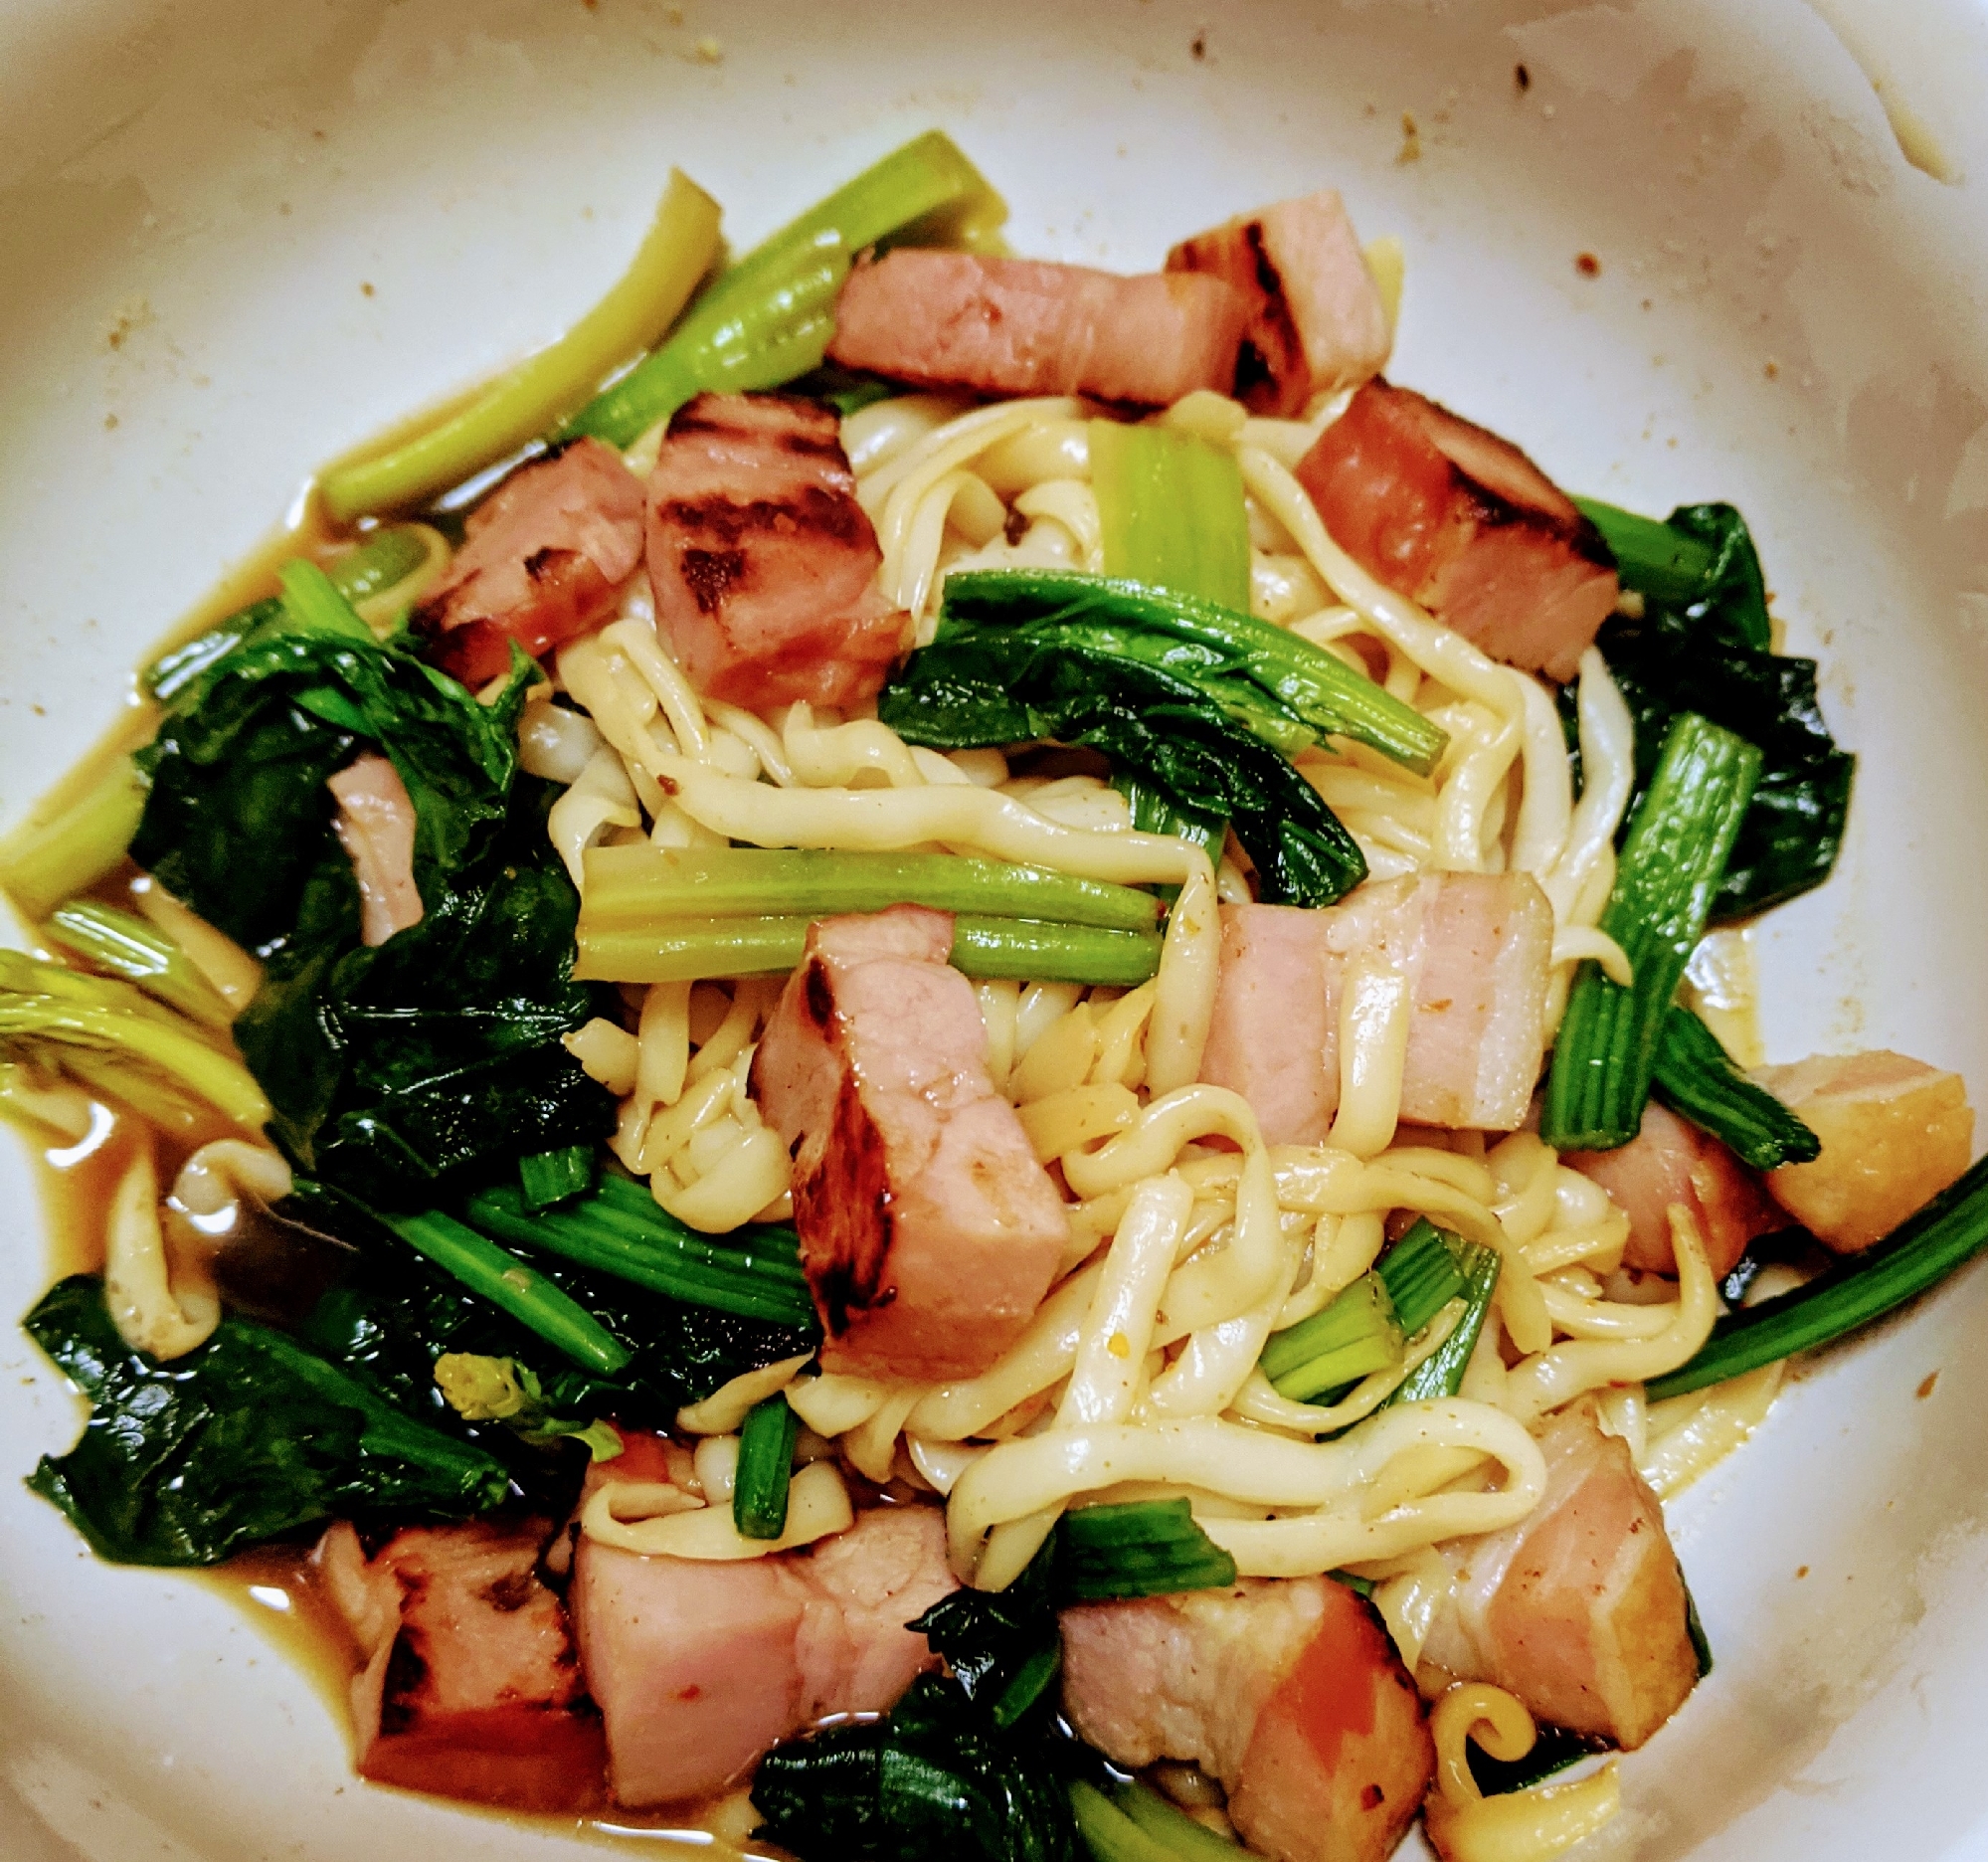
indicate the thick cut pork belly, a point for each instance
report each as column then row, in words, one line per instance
column 1895, row 1133
column 1672, row 1161
column 544, row 559
column 928, row 1230
column 472, row 1684
column 763, row 564
column 375, row 825
column 1316, row 322
column 1023, row 326
column 1462, row 521
column 699, row 1668
column 1288, row 1691
column 1578, row 1609
column 1476, row 949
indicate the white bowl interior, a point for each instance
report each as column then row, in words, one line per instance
column 239, row 238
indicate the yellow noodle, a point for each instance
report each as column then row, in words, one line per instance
column 885, row 431
column 235, row 974
column 725, row 1409
column 1549, row 1379
column 818, row 1504
column 1518, row 1826
column 1690, row 1435
column 150, row 1312
column 1025, row 1476
column 1118, row 1329
column 1067, row 1121
column 1375, row 1012
column 1044, row 1354
column 663, row 1039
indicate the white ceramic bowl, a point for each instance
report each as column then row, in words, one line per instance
column 235, row 238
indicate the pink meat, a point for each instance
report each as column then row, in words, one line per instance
column 470, row 1685
column 699, row 1668
column 1476, row 949
column 545, row 559
column 1288, row 1691
column 1670, row 1161
column 928, row 1230
column 1316, row 322
column 1455, row 518
column 375, row 825
column 1020, row 327
column 1580, row 1610
column 763, row 563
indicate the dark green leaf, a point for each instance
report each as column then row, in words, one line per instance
column 1704, row 648
column 976, row 686
column 248, row 1437
column 935, row 1778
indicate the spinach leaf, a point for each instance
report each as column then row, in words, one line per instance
column 1002, row 1646
column 238, row 817
column 936, row 1778
column 434, row 1061
column 977, row 685
column 1701, row 644
column 246, row 1439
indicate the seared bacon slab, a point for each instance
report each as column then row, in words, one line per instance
column 1895, row 1133
column 1316, row 322
column 1022, row 326
column 1462, row 521
column 544, row 559
column 1672, row 1161
column 1476, row 949
column 928, row 1230
column 1578, row 1609
column 763, row 563
column 701, row 1667
column 471, row 1685
column 375, row 825
column 1288, row 1691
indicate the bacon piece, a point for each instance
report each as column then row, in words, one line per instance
column 1023, row 326
column 375, row 825
column 928, row 1230
column 470, row 1686
column 1288, row 1691
column 1671, row 1161
column 1462, row 521
column 1316, row 322
column 1476, row 949
column 1578, row 1609
column 701, row 1667
column 763, row 563
column 545, row 559
column 1895, row 1133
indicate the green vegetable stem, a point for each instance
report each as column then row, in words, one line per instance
column 769, row 318
column 619, row 1229
column 1696, row 1079
column 764, row 1469
column 512, row 1286
column 680, row 246
column 1669, row 869
column 1144, row 1548
column 676, row 950
column 1922, row 1250
column 1171, row 514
